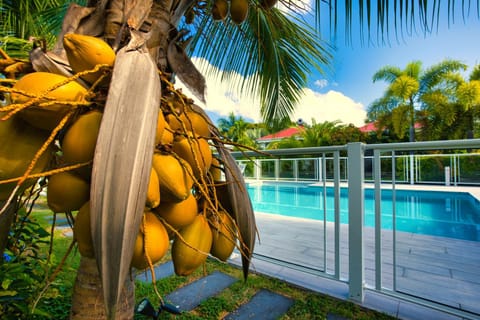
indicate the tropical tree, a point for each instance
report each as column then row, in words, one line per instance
column 273, row 49
column 451, row 109
column 403, row 98
column 236, row 129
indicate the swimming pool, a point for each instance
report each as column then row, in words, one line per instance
column 446, row 214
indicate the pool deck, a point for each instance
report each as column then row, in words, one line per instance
column 439, row 269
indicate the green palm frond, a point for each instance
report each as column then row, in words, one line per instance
column 387, row 73
column 16, row 47
column 475, row 75
column 437, row 73
column 273, row 52
column 384, row 18
column 405, row 87
column 32, row 18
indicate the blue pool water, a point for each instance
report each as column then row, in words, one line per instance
column 446, row 214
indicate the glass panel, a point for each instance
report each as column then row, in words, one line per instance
column 267, row 169
column 307, row 169
column 287, row 169
column 468, row 169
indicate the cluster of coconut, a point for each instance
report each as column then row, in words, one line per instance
column 53, row 126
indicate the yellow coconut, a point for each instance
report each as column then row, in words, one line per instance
column 78, row 144
column 82, row 231
column 152, row 242
column 176, row 122
column 198, row 236
column 153, row 191
column 219, row 10
column 161, row 123
column 197, row 124
column 66, row 192
column 215, row 170
column 178, row 214
column 166, row 137
column 174, row 176
column 190, row 121
column 224, row 235
column 239, row 10
column 19, row 144
column 196, row 151
column 85, row 52
column 42, row 115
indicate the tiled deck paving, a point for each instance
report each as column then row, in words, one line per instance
column 440, row 269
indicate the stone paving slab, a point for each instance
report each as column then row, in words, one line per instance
column 163, row 270
column 265, row 305
column 190, row 296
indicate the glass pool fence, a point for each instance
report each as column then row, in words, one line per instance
column 446, row 169
column 433, row 270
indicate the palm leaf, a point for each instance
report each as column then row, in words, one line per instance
column 273, row 52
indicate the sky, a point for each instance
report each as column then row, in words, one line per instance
column 345, row 93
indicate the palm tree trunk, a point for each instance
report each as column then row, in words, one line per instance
column 87, row 301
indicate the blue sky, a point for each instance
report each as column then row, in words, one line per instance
column 354, row 65
column 346, row 92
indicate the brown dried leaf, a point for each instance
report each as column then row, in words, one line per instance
column 186, row 70
column 137, row 11
column 121, row 167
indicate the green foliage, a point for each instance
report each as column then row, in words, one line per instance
column 23, row 275
column 239, row 131
column 327, row 133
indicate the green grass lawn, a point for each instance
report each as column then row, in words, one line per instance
column 307, row 305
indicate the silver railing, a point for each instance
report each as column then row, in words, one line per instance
column 394, row 253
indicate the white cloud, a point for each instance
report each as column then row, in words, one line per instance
column 321, row 83
column 330, row 106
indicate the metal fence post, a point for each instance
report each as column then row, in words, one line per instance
column 355, row 220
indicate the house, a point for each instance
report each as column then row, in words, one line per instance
column 282, row 134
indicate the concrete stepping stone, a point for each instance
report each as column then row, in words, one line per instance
column 265, row 305
column 163, row 270
column 190, row 296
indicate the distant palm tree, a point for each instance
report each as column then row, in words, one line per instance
column 450, row 111
column 403, row 97
column 319, row 134
column 26, row 18
column 237, row 129
column 469, row 96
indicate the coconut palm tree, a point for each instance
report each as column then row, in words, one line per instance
column 236, row 129
column 274, row 50
column 406, row 87
column 451, row 110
